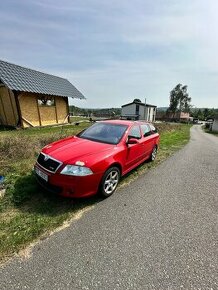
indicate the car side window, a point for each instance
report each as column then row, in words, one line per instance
column 135, row 132
column 146, row 130
column 153, row 129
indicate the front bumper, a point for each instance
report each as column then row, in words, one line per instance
column 69, row 186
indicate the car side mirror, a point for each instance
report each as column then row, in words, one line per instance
column 132, row 141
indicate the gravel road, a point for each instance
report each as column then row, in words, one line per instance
column 160, row 232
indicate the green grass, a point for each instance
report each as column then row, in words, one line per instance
column 74, row 119
column 27, row 213
column 65, row 129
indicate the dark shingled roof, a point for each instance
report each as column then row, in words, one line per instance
column 139, row 103
column 23, row 79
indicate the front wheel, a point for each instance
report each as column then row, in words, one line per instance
column 109, row 181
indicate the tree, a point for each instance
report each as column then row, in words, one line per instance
column 200, row 114
column 137, row 101
column 179, row 99
column 206, row 113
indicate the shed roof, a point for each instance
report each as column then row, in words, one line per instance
column 19, row 78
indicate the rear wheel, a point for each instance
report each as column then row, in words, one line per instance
column 109, row 181
column 153, row 154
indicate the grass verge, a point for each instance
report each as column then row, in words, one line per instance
column 206, row 130
column 26, row 211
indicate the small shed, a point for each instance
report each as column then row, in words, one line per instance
column 29, row 98
column 139, row 111
column 215, row 124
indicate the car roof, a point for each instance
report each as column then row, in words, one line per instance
column 124, row 122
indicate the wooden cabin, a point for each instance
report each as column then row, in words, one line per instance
column 29, row 98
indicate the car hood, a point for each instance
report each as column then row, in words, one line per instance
column 74, row 149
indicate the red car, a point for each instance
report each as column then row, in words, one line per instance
column 95, row 159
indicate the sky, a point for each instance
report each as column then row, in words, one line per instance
column 116, row 51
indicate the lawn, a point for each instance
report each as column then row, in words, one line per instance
column 27, row 213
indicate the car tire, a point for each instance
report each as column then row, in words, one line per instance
column 153, row 153
column 109, row 181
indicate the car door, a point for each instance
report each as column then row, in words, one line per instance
column 147, row 140
column 133, row 151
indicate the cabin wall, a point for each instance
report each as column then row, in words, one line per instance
column 8, row 109
column 34, row 114
column 150, row 114
column 128, row 110
column 62, row 109
column 141, row 112
column 47, row 115
column 28, row 108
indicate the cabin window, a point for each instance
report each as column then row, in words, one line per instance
column 46, row 101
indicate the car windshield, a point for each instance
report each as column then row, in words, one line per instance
column 104, row 132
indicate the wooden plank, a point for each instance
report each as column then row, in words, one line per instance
column 56, row 113
column 4, row 111
column 9, row 92
column 18, row 107
column 66, row 118
column 68, row 110
column 40, row 121
column 28, row 122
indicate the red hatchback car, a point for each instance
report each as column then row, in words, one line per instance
column 95, row 159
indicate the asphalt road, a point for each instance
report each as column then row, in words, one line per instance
column 160, row 232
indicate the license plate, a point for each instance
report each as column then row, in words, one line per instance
column 41, row 174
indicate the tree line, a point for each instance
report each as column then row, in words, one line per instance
column 203, row 113
column 98, row 112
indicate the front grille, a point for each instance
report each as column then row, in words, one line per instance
column 48, row 163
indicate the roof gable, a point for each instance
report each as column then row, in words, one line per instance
column 19, row 78
column 139, row 103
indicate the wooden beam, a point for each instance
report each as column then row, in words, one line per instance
column 18, row 107
column 9, row 92
column 66, row 118
column 68, row 110
column 56, row 113
column 40, row 121
column 4, row 111
column 28, row 122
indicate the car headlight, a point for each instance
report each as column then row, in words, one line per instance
column 76, row 170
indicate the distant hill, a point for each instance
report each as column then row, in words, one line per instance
column 96, row 112
column 162, row 109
